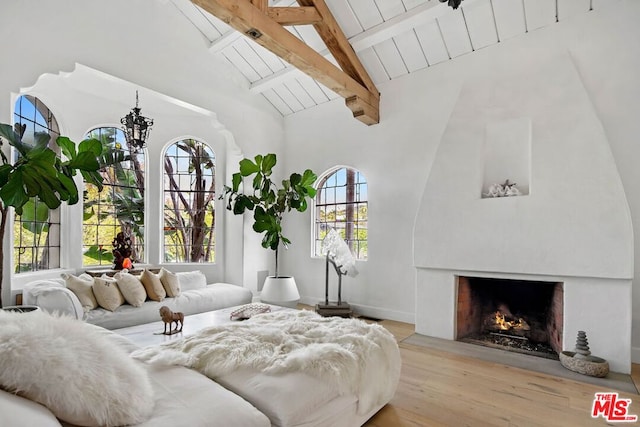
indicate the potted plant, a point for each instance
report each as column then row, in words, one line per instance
column 269, row 204
column 39, row 172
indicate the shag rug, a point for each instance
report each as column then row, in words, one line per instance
column 349, row 354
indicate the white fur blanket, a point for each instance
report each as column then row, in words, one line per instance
column 351, row 355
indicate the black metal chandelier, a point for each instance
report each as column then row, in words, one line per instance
column 453, row 3
column 136, row 127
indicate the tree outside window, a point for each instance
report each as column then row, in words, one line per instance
column 189, row 199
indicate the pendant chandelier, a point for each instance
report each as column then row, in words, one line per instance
column 136, row 127
column 453, row 3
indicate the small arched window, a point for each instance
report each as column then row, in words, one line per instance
column 36, row 232
column 341, row 203
column 189, row 202
column 120, row 204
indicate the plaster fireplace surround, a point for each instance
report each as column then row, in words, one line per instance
column 571, row 224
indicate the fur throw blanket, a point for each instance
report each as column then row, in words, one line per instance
column 351, row 355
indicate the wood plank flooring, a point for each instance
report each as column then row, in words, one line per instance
column 443, row 389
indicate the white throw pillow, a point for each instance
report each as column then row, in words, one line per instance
column 82, row 286
column 170, row 282
column 131, row 288
column 73, row 369
column 190, row 280
column 153, row 285
column 107, row 293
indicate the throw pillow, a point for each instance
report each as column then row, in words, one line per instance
column 131, row 288
column 170, row 282
column 82, row 286
column 107, row 293
column 153, row 285
column 190, row 280
column 73, row 369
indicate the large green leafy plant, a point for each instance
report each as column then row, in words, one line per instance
column 269, row 202
column 39, row 172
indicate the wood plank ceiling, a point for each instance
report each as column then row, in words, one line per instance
column 392, row 38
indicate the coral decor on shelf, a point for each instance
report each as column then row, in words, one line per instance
column 505, row 189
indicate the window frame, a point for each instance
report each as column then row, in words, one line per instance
column 211, row 238
column 54, row 218
column 107, row 247
column 315, row 233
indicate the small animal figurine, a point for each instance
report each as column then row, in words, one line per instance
column 169, row 317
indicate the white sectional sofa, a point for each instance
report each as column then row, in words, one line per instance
column 181, row 396
column 96, row 375
column 196, row 297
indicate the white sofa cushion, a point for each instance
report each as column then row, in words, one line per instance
column 187, row 398
column 170, row 282
column 82, row 286
column 18, row 411
column 190, row 280
column 53, row 297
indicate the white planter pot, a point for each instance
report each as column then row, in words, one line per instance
column 280, row 291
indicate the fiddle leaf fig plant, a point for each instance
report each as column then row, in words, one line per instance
column 38, row 172
column 269, row 202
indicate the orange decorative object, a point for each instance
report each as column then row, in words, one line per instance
column 126, row 263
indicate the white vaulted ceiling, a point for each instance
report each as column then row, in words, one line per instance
column 392, row 38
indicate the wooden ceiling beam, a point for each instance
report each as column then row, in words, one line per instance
column 338, row 45
column 245, row 17
column 294, row 15
column 263, row 5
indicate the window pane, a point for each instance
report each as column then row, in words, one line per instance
column 189, row 199
column 120, row 205
column 36, row 233
column 341, row 203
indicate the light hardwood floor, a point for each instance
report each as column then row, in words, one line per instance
column 442, row 389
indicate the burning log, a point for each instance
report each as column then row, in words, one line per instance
column 498, row 321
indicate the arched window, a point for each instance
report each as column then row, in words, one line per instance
column 189, row 198
column 120, row 205
column 341, row 203
column 36, row 232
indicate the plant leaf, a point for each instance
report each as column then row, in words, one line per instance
column 67, row 147
column 268, row 163
column 13, row 194
column 247, row 167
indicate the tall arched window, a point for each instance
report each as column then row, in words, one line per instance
column 36, row 232
column 341, row 203
column 120, row 205
column 189, row 199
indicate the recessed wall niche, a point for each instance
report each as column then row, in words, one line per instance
column 507, row 158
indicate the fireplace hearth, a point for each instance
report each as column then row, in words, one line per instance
column 516, row 315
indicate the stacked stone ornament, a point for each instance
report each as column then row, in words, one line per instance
column 582, row 361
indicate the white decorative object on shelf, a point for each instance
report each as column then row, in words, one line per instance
column 505, row 189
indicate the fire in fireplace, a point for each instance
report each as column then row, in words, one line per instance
column 516, row 315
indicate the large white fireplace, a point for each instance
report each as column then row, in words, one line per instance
column 570, row 225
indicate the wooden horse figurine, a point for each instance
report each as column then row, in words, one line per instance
column 169, row 317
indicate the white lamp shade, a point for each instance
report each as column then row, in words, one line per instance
column 280, row 291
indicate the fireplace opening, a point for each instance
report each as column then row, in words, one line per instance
column 523, row 316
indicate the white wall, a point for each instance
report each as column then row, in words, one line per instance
column 396, row 155
column 151, row 45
